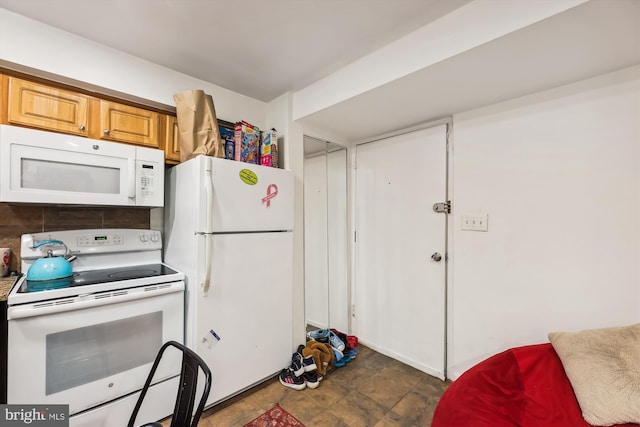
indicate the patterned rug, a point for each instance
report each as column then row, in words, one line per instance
column 275, row 417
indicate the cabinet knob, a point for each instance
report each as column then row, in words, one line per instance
column 82, row 128
column 106, row 131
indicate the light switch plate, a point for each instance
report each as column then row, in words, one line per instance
column 467, row 222
column 481, row 222
column 475, row 222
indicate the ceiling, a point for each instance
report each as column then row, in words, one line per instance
column 594, row 38
column 264, row 48
column 258, row 48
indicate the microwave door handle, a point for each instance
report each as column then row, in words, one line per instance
column 132, row 179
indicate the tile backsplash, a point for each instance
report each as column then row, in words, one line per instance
column 16, row 220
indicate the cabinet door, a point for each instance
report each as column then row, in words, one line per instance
column 123, row 123
column 3, row 100
column 172, row 141
column 45, row 107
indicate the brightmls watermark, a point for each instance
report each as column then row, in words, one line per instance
column 34, row 415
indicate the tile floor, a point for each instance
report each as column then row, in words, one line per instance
column 371, row 390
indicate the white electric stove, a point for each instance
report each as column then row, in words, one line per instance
column 89, row 340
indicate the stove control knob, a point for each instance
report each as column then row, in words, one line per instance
column 144, row 238
column 155, row 237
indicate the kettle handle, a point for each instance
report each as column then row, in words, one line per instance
column 48, row 242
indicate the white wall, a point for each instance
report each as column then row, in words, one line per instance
column 558, row 173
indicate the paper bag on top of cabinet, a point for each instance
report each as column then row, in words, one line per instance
column 197, row 125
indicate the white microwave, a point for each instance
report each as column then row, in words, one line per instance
column 46, row 167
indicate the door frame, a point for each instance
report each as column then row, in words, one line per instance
column 352, row 155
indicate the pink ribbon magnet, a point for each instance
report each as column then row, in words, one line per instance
column 272, row 191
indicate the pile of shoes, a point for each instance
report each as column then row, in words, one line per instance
column 344, row 347
column 324, row 350
column 322, row 355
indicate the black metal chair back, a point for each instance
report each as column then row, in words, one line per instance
column 186, row 397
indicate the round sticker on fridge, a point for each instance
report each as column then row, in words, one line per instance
column 248, row 176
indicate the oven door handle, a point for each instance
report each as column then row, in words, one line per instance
column 92, row 300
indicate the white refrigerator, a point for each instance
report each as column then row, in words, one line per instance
column 228, row 227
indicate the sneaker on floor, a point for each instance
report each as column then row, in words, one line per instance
column 337, row 355
column 353, row 352
column 289, row 379
column 343, row 361
column 352, row 340
column 296, row 364
column 309, row 364
column 321, row 335
column 335, row 341
column 311, row 379
column 343, row 338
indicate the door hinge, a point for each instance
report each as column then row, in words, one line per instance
column 442, row 207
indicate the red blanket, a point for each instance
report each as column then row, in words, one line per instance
column 521, row 387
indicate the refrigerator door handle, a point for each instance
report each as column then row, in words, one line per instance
column 208, row 190
column 208, row 251
column 208, row 243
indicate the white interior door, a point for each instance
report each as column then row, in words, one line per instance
column 337, row 238
column 399, row 291
column 326, row 267
column 316, row 268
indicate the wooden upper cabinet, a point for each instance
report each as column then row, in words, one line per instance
column 45, row 107
column 123, row 123
column 35, row 104
column 172, row 141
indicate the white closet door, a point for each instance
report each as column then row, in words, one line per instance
column 316, row 268
column 399, row 291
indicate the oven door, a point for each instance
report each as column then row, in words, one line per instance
column 88, row 350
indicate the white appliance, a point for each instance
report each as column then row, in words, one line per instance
column 46, row 167
column 89, row 340
column 228, row 227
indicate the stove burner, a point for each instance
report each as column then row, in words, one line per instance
column 47, row 285
column 94, row 277
column 132, row 274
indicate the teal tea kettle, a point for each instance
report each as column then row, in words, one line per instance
column 51, row 267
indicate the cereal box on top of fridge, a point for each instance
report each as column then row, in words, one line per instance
column 228, row 136
column 274, row 154
column 268, row 139
column 246, row 142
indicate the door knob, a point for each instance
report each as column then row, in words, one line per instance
column 436, row 256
